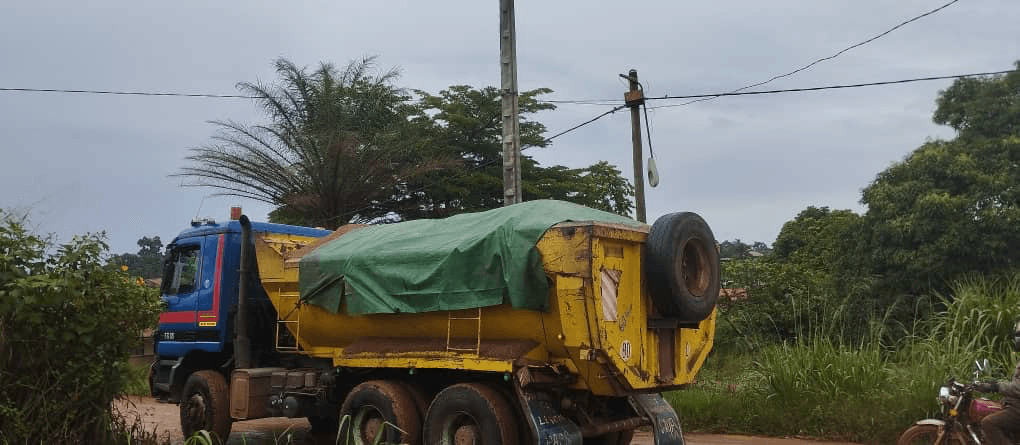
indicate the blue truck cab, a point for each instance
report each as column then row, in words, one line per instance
column 200, row 286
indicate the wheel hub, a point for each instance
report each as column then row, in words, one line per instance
column 196, row 409
column 466, row 435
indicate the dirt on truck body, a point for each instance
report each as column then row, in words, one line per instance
column 545, row 322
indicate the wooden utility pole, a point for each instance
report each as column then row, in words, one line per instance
column 511, row 133
column 634, row 99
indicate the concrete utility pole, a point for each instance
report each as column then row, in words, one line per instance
column 634, row 99
column 511, row 133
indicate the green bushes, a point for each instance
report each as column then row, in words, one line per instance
column 868, row 390
column 67, row 326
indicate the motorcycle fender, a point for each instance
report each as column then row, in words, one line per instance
column 937, row 422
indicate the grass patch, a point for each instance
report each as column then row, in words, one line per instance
column 867, row 391
column 824, row 390
column 137, row 382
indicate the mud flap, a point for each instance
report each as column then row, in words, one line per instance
column 548, row 426
column 665, row 423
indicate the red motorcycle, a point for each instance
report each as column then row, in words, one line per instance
column 960, row 422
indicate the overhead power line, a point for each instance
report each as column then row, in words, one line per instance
column 129, row 93
column 819, row 88
column 615, row 109
column 837, row 54
column 601, row 102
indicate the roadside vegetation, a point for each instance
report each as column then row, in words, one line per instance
column 849, row 324
column 67, row 326
column 842, row 329
column 866, row 391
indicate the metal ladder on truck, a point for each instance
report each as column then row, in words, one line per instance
column 477, row 318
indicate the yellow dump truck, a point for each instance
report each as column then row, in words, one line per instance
column 542, row 323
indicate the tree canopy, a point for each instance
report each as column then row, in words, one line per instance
column 337, row 145
column 350, row 146
column 147, row 263
column 465, row 123
column 952, row 207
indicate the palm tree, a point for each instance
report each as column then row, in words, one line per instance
column 337, row 146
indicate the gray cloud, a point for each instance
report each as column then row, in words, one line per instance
column 89, row 163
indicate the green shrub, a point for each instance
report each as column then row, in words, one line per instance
column 137, row 380
column 865, row 391
column 67, row 326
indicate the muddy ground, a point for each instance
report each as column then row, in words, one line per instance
column 165, row 419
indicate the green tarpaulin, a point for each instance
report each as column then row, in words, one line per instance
column 465, row 261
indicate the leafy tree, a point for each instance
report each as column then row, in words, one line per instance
column 783, row 300
column 466, row 123
column 739, row 249
column 734, row 249
column 67, row 326
column 982, row 107
column 337, row 145
column 761, row 248
column 819, row 238
column 147, row 263
column 952, row 207
column 599, row 186
column 349, row 146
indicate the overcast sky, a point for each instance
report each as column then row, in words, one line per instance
column 87, row 163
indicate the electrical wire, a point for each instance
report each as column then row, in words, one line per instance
column 599, row 102
column 837, row 54
column 589, row 121
column 603, row 102
column 820, row 88
column 129, row 93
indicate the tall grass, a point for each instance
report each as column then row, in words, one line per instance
column 137, row 379
column 864, row 387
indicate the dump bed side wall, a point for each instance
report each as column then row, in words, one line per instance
column 607, row 343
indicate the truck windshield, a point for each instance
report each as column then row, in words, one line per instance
column 180, row 273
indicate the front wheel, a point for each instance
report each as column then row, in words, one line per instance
column 927, row 435
column 205, row 404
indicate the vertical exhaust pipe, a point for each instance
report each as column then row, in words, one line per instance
column 242, row 344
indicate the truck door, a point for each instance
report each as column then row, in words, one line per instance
column 182, row 278
column 208, row 303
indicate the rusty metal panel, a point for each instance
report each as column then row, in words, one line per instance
column 249, row 392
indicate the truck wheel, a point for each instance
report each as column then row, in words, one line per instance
column 380, row 407
column 470, row 414
column 421, row 401
column 617, row 438
column 682, row 267
column 204, row 405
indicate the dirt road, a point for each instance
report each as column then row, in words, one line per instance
column 164, row 418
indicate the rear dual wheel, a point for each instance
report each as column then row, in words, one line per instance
column 380, row 409
column 462, row 414
column 471, row 414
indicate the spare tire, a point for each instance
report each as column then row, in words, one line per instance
column 682, row 267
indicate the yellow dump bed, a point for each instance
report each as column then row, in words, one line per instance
column 601, row 324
